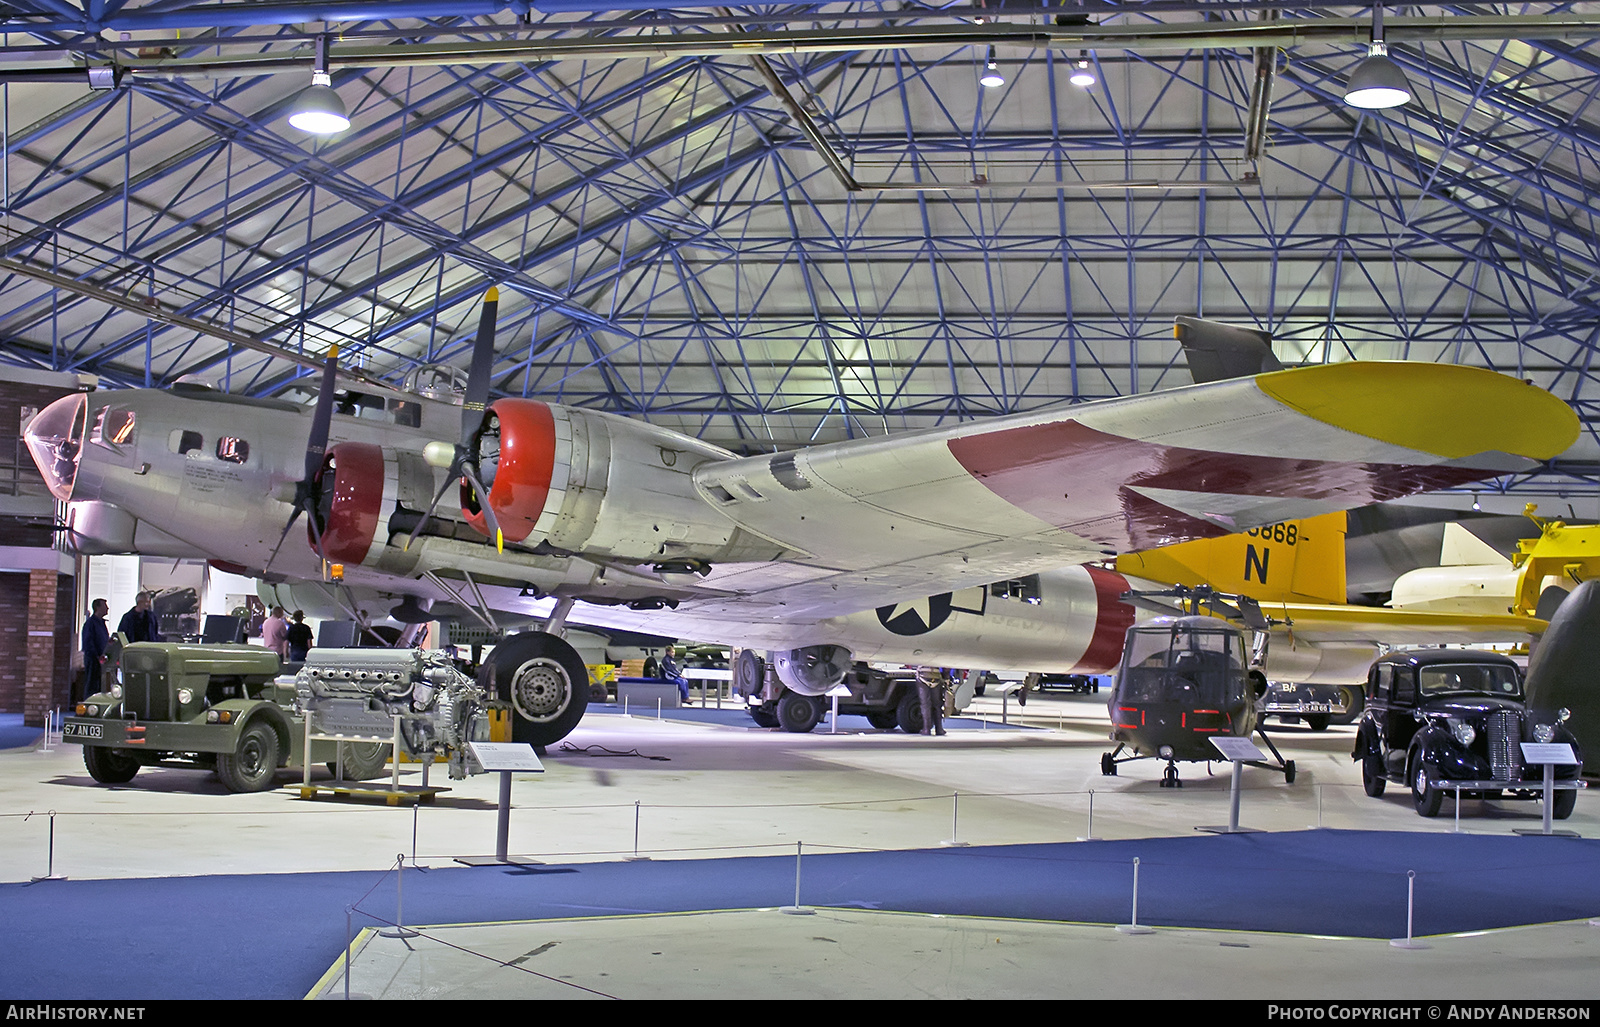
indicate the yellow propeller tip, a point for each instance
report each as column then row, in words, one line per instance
column 493, row 295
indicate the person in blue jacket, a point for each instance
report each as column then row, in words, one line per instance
column 96, row 636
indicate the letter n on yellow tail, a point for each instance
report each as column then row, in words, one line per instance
column 1288, row 562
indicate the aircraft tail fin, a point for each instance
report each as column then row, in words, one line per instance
column 1461, row 548
column 1216, row 351
column 1290, row 562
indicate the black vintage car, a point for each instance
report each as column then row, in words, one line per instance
column 1436, row 718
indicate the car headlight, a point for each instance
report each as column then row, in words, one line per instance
column 1544, row 733
column 1463, row 732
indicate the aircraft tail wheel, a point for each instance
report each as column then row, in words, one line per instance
column 1108, row 766
column 1288, row 772
column 546, row 683
column 1169, row 777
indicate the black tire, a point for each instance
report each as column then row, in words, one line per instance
column 763, row 716
column 651, row 668
column 798, row 713
column 749, row 673
column 1317, row 721
column 908, row 712
column 883, row 720
column 1424, row 796
column 109, row 766
column 546, row 683
column 1288, row 772
column 362, row 760
column 1373, row 783
column 1108, row 764
column 1355, row 700
column 254, row 764
column 1562, row 803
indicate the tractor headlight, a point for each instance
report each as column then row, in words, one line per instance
column 1463, row 732
column 91, row 710
column 185, row 696
column 116, row 691
column 1544, row 734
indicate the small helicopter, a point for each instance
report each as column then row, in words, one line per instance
column 1185, row 680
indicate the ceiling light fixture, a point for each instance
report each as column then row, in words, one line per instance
column 1083, row 75
column 991, row 73
column 1378, row 83
column 318, row 109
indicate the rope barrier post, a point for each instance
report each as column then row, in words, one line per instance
column 797, row 909
column 954, row 841
column 1409, row 941
column 349, row 943
column 399, row 930
column 1089, row 835
column 1133, row 926
column 636, row 857
column 50, row 853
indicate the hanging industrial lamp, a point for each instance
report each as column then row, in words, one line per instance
column 318, row 109
column 1378, row 83
column 991, row 73
column 1082, row 76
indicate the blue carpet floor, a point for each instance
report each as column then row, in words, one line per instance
column 14, row 734
column 272, row 936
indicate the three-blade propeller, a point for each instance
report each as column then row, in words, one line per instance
column 308, row 490
column 464, row 462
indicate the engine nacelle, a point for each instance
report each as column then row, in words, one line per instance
column 812, row 670
column 596, row 483
column 354, row 495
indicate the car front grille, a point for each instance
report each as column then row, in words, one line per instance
column 144, row 695
column 1504, row 731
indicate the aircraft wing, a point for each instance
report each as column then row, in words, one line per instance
column 1369, row 625
column 866, row 522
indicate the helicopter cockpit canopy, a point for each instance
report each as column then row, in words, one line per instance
column 1194, row 661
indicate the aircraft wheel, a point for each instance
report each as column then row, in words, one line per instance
column 1288, row 772
column 883, row 720
column 1423, row 795
column 1562, row 804
column 362, row 760
column 763, row 716
column 1108, row 765
column 798, row 713
column 109, row 766
column 909, row 712
column 251, row 767
column 1317, row 721
column 544, row 680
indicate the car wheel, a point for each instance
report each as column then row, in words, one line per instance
column 253, row 765
column 883, row 720
column 362, row 760
column 909, row 712
column 1355, row 700
column 1373, row 783
column 1424, row 795
column 798, row 713
column 1317, row 721
column 763, row 716
column 1562, row 803
column 109, row 766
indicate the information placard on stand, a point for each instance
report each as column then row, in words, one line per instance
column 504, row 758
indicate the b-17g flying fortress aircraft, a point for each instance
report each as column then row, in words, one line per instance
column 800, row 553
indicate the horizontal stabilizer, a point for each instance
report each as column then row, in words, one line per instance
column 1217, row 351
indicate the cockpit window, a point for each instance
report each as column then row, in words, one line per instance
column 112, row 427
column 183, row 442
column 234, row 451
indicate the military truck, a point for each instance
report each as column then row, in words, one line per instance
column 223, row 708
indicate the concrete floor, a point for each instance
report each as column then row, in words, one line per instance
column 697, row 790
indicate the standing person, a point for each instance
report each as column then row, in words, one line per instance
column 275, row 633
column 96, row 636
column 670, row 672
column 299, row 637
column 930, row 692
column 139, row 623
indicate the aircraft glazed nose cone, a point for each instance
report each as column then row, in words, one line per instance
column 55, row 441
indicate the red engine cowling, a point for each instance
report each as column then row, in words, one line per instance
column 521, row 484
column 352, row 502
